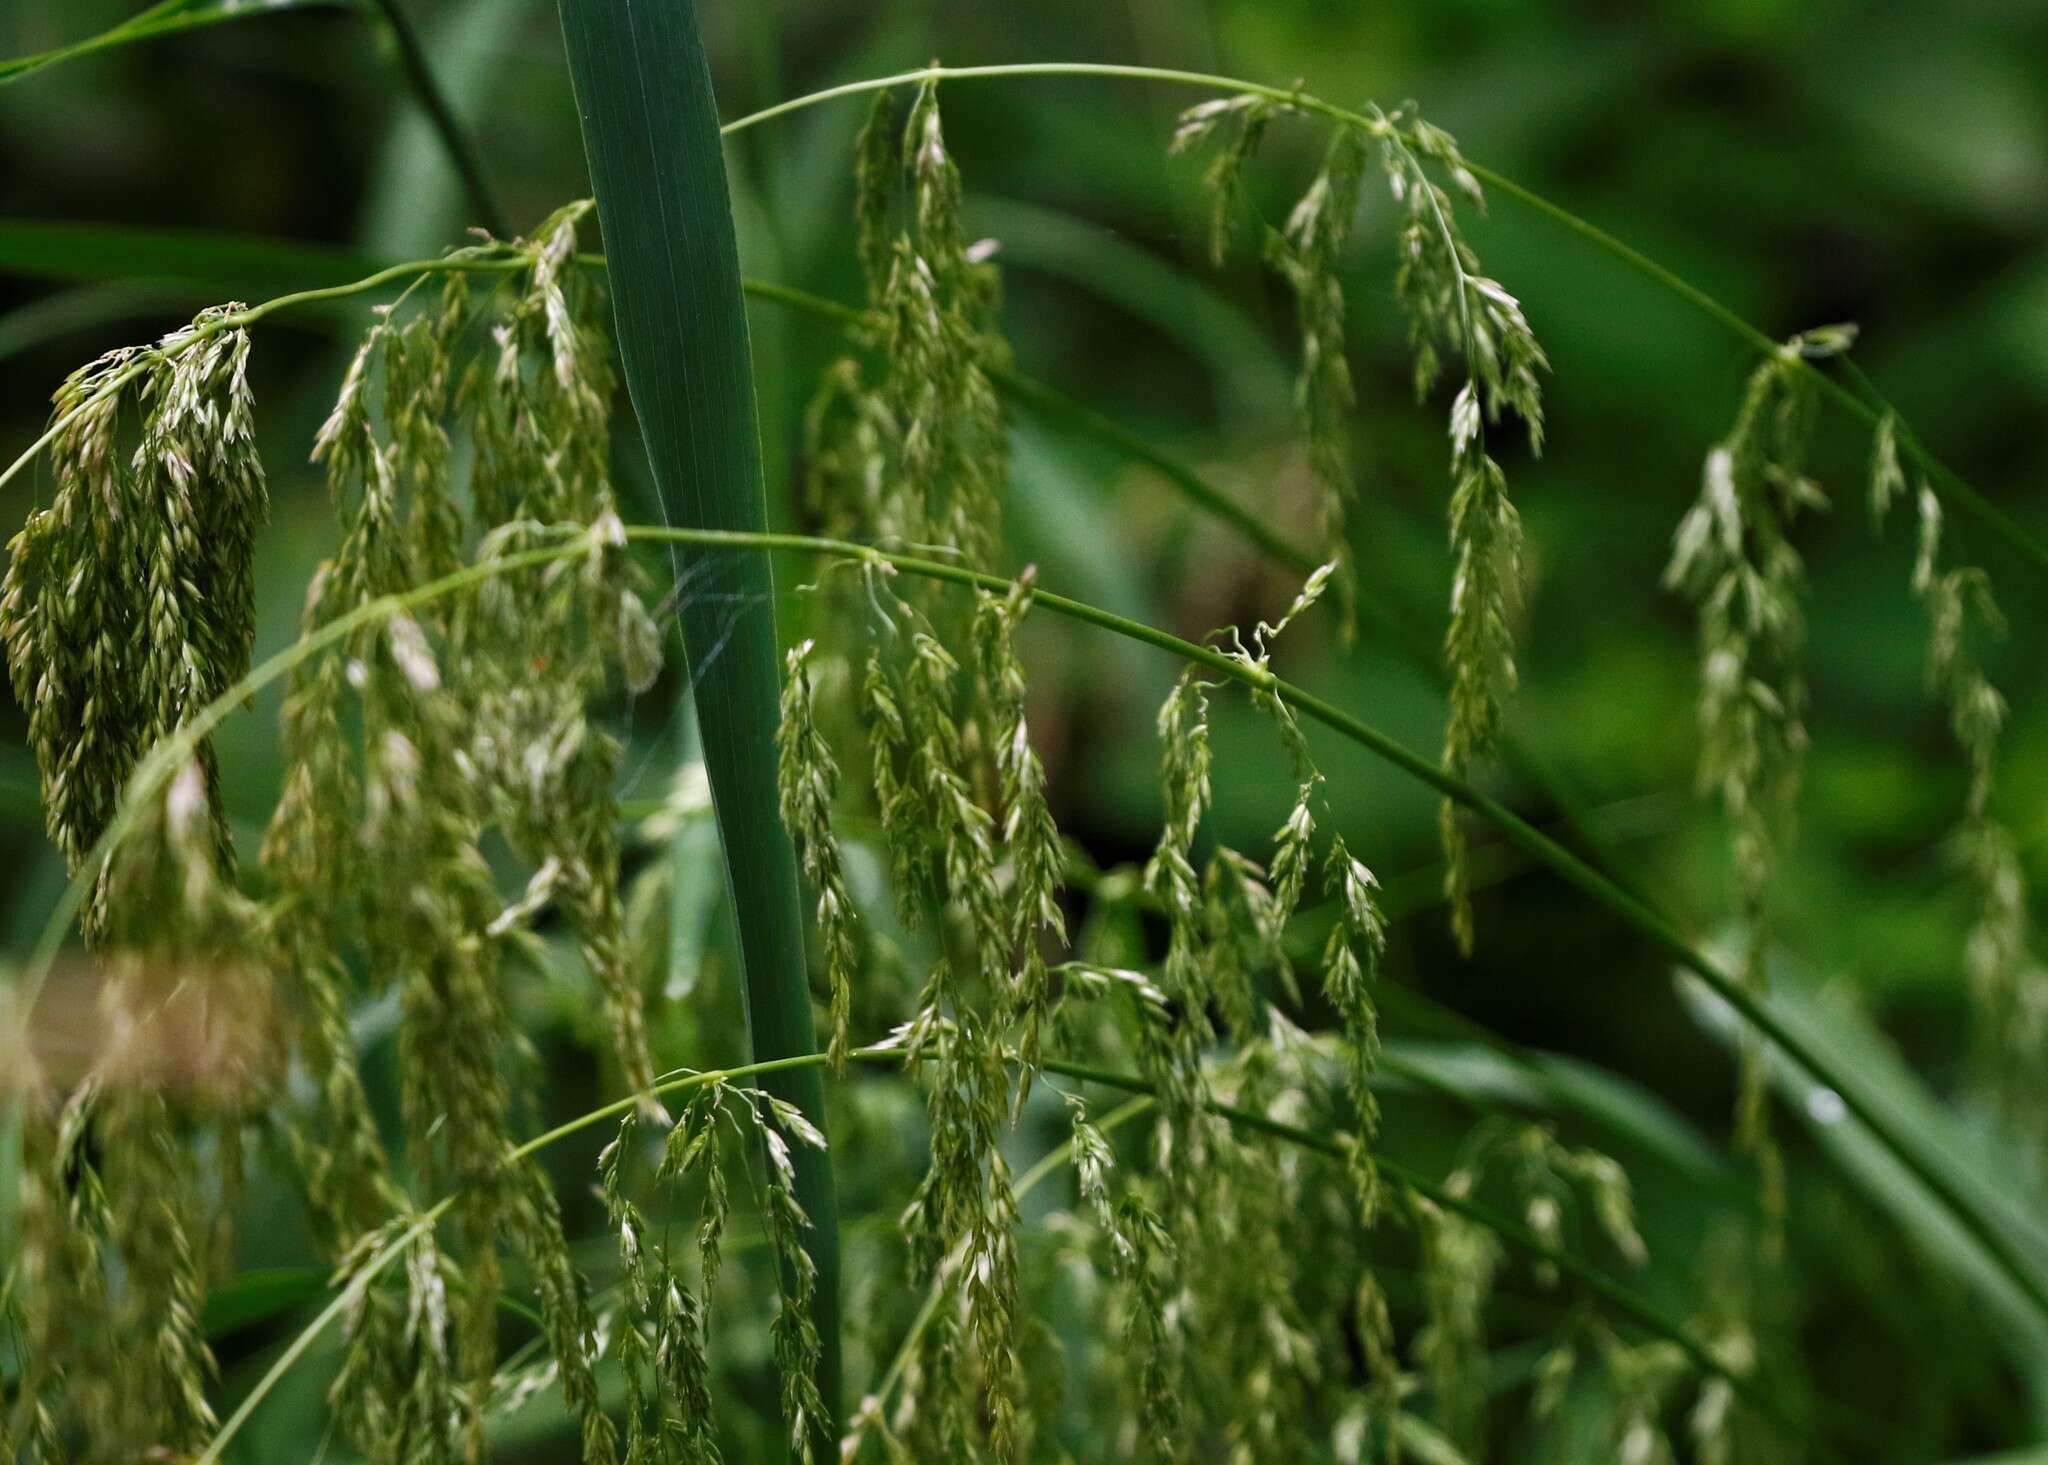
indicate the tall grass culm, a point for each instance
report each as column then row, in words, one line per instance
column 1167, row 1161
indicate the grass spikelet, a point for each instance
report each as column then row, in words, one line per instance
column 534, row 1221
column 1241, row 123
column 1143, row 1252
column 1486, row 539
column 1240, row 930
column 1887, row 477
column 810, row 780
column 1029, row 838
column 1173, row 1050
column 396, row 1395
column 1460, row 1261
column 1351, row 969
column 1453, row 307
column 795, row 1332
column 899, row 799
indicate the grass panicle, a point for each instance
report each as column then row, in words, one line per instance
column 1453, row 310
column 446, row 737
column 2008, row 985
column 1734, row 558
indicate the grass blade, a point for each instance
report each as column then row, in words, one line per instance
column 650, row 129
column 163, row 19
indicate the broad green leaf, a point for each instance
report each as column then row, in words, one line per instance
column 650, row 131
column 209, row 267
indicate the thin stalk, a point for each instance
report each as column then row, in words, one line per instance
column 153, row 774
column 1594, row 1281
column 455, row 138
column 1949, row 482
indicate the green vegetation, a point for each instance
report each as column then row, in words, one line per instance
column 699, row 945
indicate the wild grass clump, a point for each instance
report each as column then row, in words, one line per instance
column 1255, row 1276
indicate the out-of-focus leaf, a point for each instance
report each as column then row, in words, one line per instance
column 21, row 796
column 417, row 206
column 1976, row 1158
column 85, row 309
column 1180, row 306
column 258, row 1295
column 212, row 267
column 1557, row 1084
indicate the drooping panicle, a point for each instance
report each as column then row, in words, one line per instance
column 1734, row 558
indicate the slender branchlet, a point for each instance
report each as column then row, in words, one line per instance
column 2008, row 986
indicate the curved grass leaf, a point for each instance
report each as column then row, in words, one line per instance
column 165, row 18
column 650, row 130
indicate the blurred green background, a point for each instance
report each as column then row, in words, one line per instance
column 1804, row 162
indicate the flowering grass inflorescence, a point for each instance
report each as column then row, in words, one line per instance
column 1453, row 310
column 435, row 744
